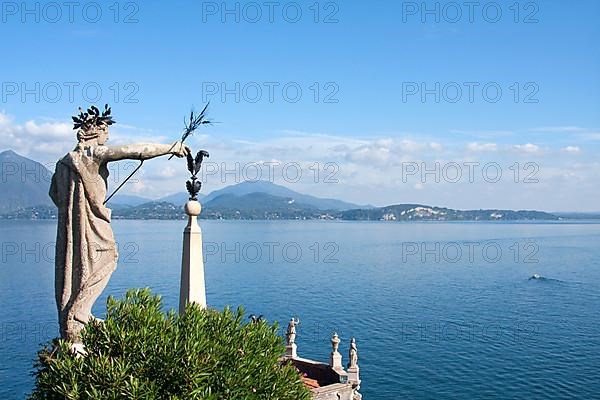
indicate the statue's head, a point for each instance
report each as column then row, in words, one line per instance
column 92, row 125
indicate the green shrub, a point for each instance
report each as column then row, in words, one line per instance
column 138, row 352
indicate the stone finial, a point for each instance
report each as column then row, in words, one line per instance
column 335, row 342
column 335, row 359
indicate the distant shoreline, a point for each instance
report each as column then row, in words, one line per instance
column 319, row 220
column 284, row 211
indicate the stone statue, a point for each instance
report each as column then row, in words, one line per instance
column 353, row 354
column 291, row 331
column 86, row 253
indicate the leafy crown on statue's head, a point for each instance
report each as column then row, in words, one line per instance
column 92, row 118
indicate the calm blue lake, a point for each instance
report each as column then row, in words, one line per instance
column 439, row 310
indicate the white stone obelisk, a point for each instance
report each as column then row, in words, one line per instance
column 192, row 263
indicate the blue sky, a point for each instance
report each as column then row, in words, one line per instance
column 367, row 58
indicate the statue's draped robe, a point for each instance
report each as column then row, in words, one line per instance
column 86, row 253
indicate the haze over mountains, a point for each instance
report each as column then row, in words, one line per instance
column 125, row 200
column 272, row 189
column 242, row 189
column 25, row 184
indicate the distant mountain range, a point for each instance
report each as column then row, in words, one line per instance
column 272, row 189
column 125, row 200
column 23, row 183
column 260, row 205
column 241, row 189
column 24, row 195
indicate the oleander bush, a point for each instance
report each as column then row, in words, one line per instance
column 139, row 352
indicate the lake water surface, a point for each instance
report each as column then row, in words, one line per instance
column 439, row 310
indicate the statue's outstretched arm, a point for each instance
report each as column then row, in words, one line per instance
column 140, row 151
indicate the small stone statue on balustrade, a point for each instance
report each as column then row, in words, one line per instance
column 291, row 331
column 353, row 354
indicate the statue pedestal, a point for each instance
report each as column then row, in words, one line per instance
column 335, row 361
column 354, row 376
column 291, row 350
column 192, row 264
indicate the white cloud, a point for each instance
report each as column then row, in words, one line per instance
column 572, row 131
column 371, row 153
column 167, row 172
column 4, row 118
column 479, row 147
column 527, row 148
column 559, row 129
column 491, row 134
column 436, row 146
column 49, row 130
column 138, row 187
column 41, row 141
column 571, row 149
column 590, row 136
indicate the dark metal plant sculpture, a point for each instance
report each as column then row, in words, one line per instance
column 194, row 165
column 195, row 122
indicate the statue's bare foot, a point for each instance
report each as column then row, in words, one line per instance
column 89, row 318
